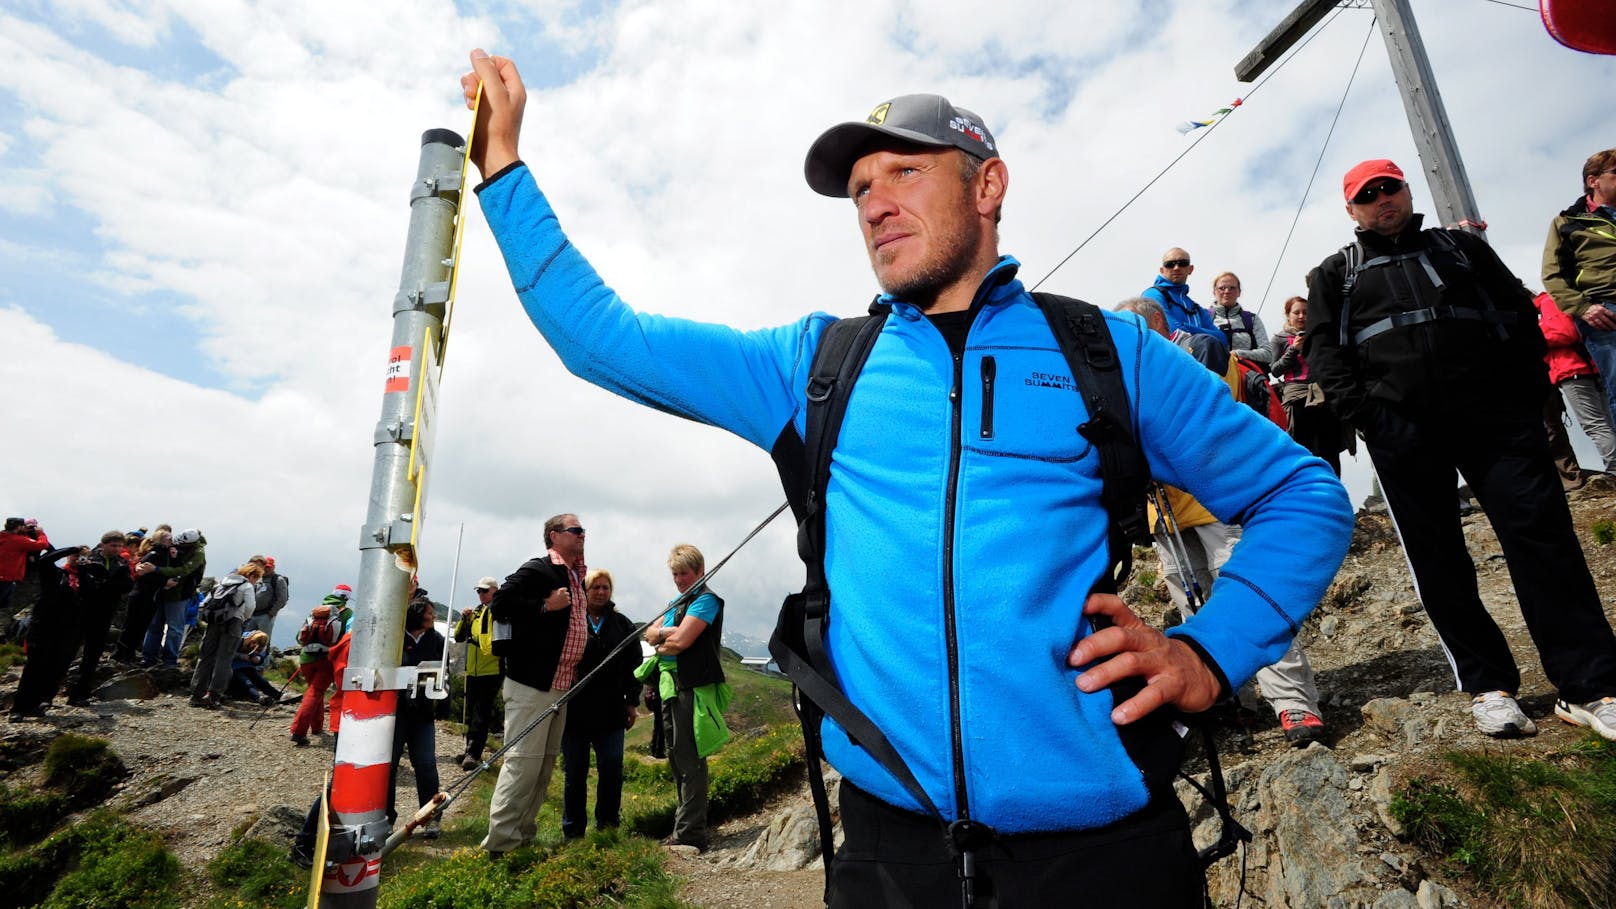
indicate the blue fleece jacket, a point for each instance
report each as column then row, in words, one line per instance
column 940, row 509
column 1183, row 314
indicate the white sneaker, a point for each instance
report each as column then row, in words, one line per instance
column 1600, row 715
column 1499, row 716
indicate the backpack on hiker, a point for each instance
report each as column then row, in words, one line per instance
column 1247, row 321
column 320, row 631
column 798, row 641
column 1259, row 393
column 220, row 603
column 1355, row 263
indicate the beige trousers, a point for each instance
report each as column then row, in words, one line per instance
column 524, row 778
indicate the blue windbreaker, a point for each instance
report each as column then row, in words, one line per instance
column 973, row 515
column 1183, row 314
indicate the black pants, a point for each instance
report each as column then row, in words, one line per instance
column 1505, row 459
column 480, row 692
column 97, row 623
column 894, row 858
column 52, row 639
column 136, row 620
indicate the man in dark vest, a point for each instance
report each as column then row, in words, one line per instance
column 688, row 643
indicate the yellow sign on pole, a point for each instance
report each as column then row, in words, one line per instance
column 317, row 873
column 426, row 421
column 460, row 227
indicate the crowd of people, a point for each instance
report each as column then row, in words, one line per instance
column 142, row 593
column 528, row 642
column 548, row 648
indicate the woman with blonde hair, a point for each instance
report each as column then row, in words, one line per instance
column 1246, row 334
column 225, row 611
column 600, row 713
column 246, row 677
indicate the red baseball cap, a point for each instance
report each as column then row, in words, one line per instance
column 1364, row 172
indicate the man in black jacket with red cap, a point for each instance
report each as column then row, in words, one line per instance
column 1426, row 342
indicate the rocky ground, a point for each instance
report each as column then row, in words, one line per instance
column 1323, row 836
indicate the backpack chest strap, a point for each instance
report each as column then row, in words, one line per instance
column 1433, row 314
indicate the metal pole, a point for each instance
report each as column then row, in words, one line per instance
column 1455, row 204
column 449, row 615
column 359, row 781
column 454, row 574
column 1427, row 119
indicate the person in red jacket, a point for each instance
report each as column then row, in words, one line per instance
column 1573, row 372
column 17, row 542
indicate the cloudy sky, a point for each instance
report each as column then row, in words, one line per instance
column 204, row 208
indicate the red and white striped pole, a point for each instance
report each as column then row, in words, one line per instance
column 373, row 679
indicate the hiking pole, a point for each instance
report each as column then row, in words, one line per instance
column 437, row 806
column 276, row 703
column 1176, row 547
column 1231, row 833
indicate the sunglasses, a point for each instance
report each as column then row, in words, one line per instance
column 1375, row 190
column 1176, row 263
column 575, row 531
column 484, row 589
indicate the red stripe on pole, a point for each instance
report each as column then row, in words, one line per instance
column 367, row 705
column 356, row 790
column 351, row 876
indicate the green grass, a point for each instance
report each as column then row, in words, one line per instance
column 1535, row 833
column 604, row 869
column 10, row 655
column 85, row 769
column 1605, row 532
column 79, row 772
column 256, row 873
column 101, row 862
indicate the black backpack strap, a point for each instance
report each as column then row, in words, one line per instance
column 844, row 348
column 798, row 642
column 1085, row 340
column 1352, row 253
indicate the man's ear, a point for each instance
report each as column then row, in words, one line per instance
column 992, row 183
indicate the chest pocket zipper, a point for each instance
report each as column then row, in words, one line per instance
column 989, row 368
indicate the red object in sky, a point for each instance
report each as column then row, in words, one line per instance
column 1584, row 25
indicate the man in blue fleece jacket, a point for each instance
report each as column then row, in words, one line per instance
column 959, row 437
column 1172, row 291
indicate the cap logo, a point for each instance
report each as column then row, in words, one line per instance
column 879, row 115
column 961, row 124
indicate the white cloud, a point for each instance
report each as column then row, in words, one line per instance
column 271, row 196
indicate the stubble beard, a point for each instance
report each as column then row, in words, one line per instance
column 951, row 258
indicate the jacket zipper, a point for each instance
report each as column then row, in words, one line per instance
column 962, row 803
column 961, row 799
column 989, row 369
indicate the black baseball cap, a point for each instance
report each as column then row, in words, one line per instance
column 928, row 120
